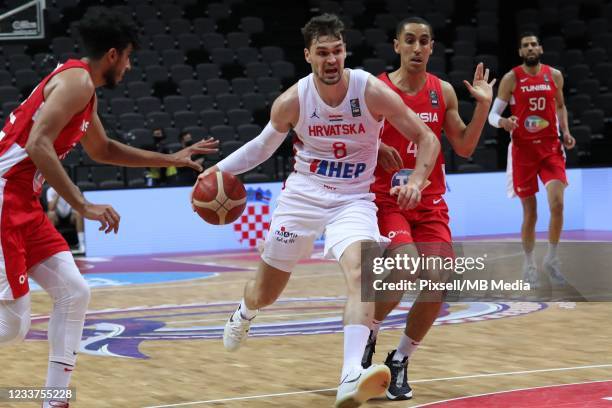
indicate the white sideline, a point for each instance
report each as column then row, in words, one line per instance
column 546, row 370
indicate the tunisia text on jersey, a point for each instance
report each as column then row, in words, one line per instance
column 429, row 105
column 337, row 146
column 533, row 103
column 15, row 165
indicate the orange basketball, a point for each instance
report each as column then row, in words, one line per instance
column 219, row 198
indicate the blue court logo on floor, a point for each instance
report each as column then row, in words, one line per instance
column 120, row 332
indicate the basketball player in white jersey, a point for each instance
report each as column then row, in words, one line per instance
column 337, row 114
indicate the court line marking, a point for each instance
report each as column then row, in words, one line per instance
column 546, row 370
column 507, row 391
column 224, row 319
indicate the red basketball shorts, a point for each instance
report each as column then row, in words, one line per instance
column 27, row 238
column 532, row 158
column 426, row 225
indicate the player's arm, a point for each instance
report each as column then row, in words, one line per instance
column 102, row 149
column 568, row 140
column 66, row 94
column 504, row 93
column 464, row 139
column 284, row 116
column 384, row 102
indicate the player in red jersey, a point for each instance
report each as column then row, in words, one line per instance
column 535, row 93
column 60, row 112
column 425, row 226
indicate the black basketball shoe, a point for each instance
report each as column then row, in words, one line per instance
column 398, row 387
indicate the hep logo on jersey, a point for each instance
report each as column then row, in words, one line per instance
column 401, row 177
column 337, row 169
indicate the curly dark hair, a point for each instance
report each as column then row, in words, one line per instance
column 323, row 25
column 102, row 29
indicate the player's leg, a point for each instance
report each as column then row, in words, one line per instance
column 525, row 168
column 394, row 225
column 554, row 178
column 14, row 289
column 530, row 217
column 60, row 277
column 357, row 384
column 432, row 236
column 259, row 292
column 289, row 239
column 555, row 190
column 352, row 223
column 14, row 319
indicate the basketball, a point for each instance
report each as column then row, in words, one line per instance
column 219, row 198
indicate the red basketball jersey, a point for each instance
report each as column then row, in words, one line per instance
column 15, row 165
column 429, row 105
column 533, row 103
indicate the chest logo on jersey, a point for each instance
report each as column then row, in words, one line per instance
column 84, row 126
column 428, row 117
column 536, row 88
column 535, row 124
column 337, row 169
column 336, row 130
column 433, row 97
column 355, row 108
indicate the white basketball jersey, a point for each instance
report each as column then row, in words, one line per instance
column 337, row 146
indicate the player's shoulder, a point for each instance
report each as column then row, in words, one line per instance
column 556, row 73
column 509, row 76
column 448, row 91
column 287, row 104
column 76, row 79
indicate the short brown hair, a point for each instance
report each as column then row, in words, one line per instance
column 323, row 25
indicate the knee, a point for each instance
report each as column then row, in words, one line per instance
column 556, row 207
column 353, row 279
column 81, row 294
column 76, row 295
column 13, row 329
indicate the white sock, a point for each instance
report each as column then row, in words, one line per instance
column 529, row 258
column 81, row 236
column 375, row 328
column 552, row 251
column 406, row 347
column 355, row 341
column 245, row 312
column 58, row 376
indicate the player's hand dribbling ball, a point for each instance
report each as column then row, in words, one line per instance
column 219, row 198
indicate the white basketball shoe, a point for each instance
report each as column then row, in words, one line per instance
column 236, row 331
column 361, row 384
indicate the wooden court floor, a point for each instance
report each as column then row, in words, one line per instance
column 294, row 357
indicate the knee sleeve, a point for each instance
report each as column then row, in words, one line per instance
column 62, row 280
column 14, row 319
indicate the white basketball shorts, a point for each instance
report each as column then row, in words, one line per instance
column 305, row 210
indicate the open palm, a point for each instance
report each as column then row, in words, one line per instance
column 480, row 88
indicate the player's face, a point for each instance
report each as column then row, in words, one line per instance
column 530, row 51
column 414, row 46
column 326, row 56
column 119, row 64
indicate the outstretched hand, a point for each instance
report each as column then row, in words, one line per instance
column 206, row 146
column 480, row 88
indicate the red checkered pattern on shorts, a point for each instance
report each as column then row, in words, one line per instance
column 253, row 224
